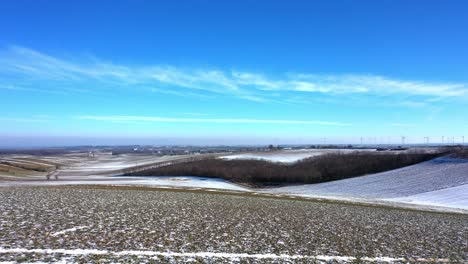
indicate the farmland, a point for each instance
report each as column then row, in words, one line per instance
column 116, row 224
column 413, row 214
column 398, row 185
column 436, row 183
column 30, row 167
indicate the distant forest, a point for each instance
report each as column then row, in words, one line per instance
column 258, row 173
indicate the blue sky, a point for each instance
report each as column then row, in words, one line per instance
column 237, row 72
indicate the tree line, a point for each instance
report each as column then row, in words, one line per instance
column 259, row 173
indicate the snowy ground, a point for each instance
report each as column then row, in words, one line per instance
column 433, row 183
column 109, row 163
column 439, row 183
column 455, row 197
column 79, row 164
column 417, row 184
column 191, row 182
column 193, row 219
column 285, row 156
column 177, row 182
column 101, row 224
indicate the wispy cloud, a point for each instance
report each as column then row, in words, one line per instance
column 19, row 63
column 154, row 119
column 24, row 89
column 375, row 84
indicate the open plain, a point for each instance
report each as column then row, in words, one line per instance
column 415, row 214
column 136, row 224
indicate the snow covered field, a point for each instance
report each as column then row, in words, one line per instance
column 79, row 164
column 439, row 182
column 191, row 182
column 455, row 197
column 89, row 219
column 285, row 156
column 107, row 162
column 177, row 182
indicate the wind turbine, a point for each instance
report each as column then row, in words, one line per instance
column 426, row 140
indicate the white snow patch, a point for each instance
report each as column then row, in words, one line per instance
column 283, row 158
column 69, row 230
column 287, row 156
column 76, row 252
column 151, row 181
column 186, row 181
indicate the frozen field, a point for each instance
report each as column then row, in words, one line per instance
column 436, row 182
column 77, row 164
column 105, row 219
column 285, row 156
column 131, row 224
column 191, row 182
column 177, row 182
column 109, row 163
column 456, row 197
column 441, row 182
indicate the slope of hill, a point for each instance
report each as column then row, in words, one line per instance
column 442, row 181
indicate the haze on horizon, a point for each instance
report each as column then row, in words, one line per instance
column 244, row 72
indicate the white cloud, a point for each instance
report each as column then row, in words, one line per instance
column 374, row 84
column 153, row 119
column 24, row 89
column 23, row 63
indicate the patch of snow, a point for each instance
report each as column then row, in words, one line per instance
column 76, row 252
column 69, row 230
column 286, row 156
column 283, row 158
column 186, row 181
column 151, row 181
